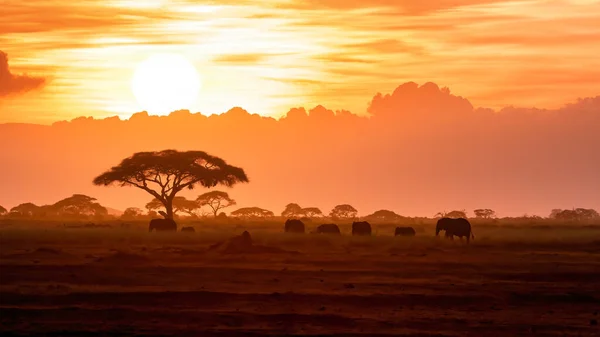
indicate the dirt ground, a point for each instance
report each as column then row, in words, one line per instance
column 67, row 282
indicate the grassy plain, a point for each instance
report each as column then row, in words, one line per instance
column 514, row 279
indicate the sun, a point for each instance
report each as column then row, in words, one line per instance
column 164, row 83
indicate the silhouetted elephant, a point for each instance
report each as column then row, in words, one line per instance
column 188, row 229
column 361, row 228
column 329, row 228
column 459, row 227
column 404, row 231
column 294, row 226
column 162, row 225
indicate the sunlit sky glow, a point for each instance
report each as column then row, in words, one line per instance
column 269, row 56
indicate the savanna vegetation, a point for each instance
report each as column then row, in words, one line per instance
column 77, row 268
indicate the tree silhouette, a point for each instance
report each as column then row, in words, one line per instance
column 451, row 214
column 78, row 205
column 554, row 213
column 180, row 204
column 132, row 213
column 344, row 211
column 291, row 210
column 25, row 210
column 154, row 205
column 252, row 212
column 2, row 210
column 384, row 215
column 484, row 213
column 577, row 214
column 164, row 174
column 311, row 212
column 216, row 200
column 587, row 214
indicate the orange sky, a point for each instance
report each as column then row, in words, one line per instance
column 349, row 126
column 78, row 57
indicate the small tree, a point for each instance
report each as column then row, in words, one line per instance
column 252, row 212
column 291, row 210
column 344, row 211
column 132, row 213
column 577, row 214
column 78, row 206
column 554, row 213
column 311, row 212
column 384, row 215
column 26, row 210
column 216, row 200
column 180, row 204
column 154, row 205
column 2, row 210
column 164, row 174
column 484, row 213
column 452, row 214
column 587, row 214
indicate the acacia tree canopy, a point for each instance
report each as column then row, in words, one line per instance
column 384, row 215
column 577, row 214
column 2, row 210
column 180, row 204
column 78, row 205
column 252, row 212
column 216, row 200
column 311, row 212
column 452, row 214
column 343, row 211
column 484, row 213
column 165, row 173
column 132, row 213
column 25, row 210
column 291, row 210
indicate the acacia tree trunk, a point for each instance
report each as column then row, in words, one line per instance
column 169, row 208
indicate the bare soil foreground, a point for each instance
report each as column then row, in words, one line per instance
column 127, row 282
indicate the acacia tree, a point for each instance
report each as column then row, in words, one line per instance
column 216, row 200
column 154, row 205
column 25, row 210
column 180, row 204
column 311, row 212
column 165, row 173
column 291, row 210
column 451, row 214
column 344, row 211
column 78, row 205
column 2, row 210
column 132, row 213
column 384, row 215
column 484, row 213
column 252, row 212
column 577, row 214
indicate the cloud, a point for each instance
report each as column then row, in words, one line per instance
column 11, row 84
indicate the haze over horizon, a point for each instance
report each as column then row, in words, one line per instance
column 421, row 150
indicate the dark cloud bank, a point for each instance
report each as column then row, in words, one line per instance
column 421, row 150
column 11, row 84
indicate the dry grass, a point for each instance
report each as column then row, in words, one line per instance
column 513, row 280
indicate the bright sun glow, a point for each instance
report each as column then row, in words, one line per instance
column 164, row 83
